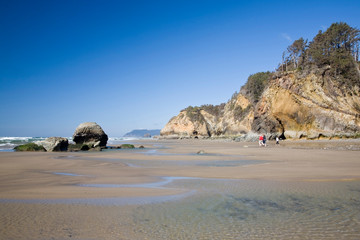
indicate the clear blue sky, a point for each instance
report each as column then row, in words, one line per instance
column 135, row 64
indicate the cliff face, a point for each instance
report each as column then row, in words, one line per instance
column 307, row 107
column 183, row 126
column 233, row 118
column 293, row 105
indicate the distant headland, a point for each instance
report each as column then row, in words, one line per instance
column 143, row 133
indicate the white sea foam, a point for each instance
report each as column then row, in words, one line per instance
column 8, row 143
column 15, row 138
column 119, row 140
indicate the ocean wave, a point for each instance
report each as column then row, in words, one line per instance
column 7, row 146
column 20, row 139
column 8, row 143
column 119, row 140
column 122, row 138
column 23, row 140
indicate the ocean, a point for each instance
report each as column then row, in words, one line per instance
column 7, row 144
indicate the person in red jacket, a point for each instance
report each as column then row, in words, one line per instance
column 261, row 139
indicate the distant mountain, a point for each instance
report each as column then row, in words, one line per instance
column 143, row 133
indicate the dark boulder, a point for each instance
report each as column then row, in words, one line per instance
column 91, row 134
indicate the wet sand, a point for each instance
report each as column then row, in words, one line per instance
column 31, row 184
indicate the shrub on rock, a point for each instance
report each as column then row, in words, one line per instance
column 32, row 147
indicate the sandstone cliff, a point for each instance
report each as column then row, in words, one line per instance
column 314, row 93
column 232, row 118
column 292, row 105
column 310, row 106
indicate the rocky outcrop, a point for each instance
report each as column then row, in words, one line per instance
column 293, row 105
column 91, row 134
column 232, row 118
column 88, row 136
column 55, row 144
column 184, row 126
column 307, row 107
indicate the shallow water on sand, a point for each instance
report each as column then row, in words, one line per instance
column 214, row 209
column 239, row 209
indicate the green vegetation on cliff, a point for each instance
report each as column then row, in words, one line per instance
column 194, row 112
column 335, row 51
column 337, row 48
column 256, row 84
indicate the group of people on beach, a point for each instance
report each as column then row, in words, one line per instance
column 262, row 140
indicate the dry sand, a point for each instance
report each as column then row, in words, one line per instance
column 27, row 175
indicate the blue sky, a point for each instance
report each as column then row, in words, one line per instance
column 135, row 64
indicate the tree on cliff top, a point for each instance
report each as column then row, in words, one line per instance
column 339, row 38
column 337, row 47
column 296, row 53
column 256, row 84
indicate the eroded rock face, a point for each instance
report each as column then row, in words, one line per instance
column 90, row 133
column 308, row 107
column 234, row 118
column 183, row 126
column 293, row 105
column 55, row 144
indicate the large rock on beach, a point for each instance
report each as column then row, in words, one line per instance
column 55, row 144
column 91, row 134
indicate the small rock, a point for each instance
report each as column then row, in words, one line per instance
column 126, row 146
column 201, row 152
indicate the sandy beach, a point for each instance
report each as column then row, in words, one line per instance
column 37, row 190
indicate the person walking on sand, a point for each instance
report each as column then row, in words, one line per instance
column 261, row 141
column 264, row 140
